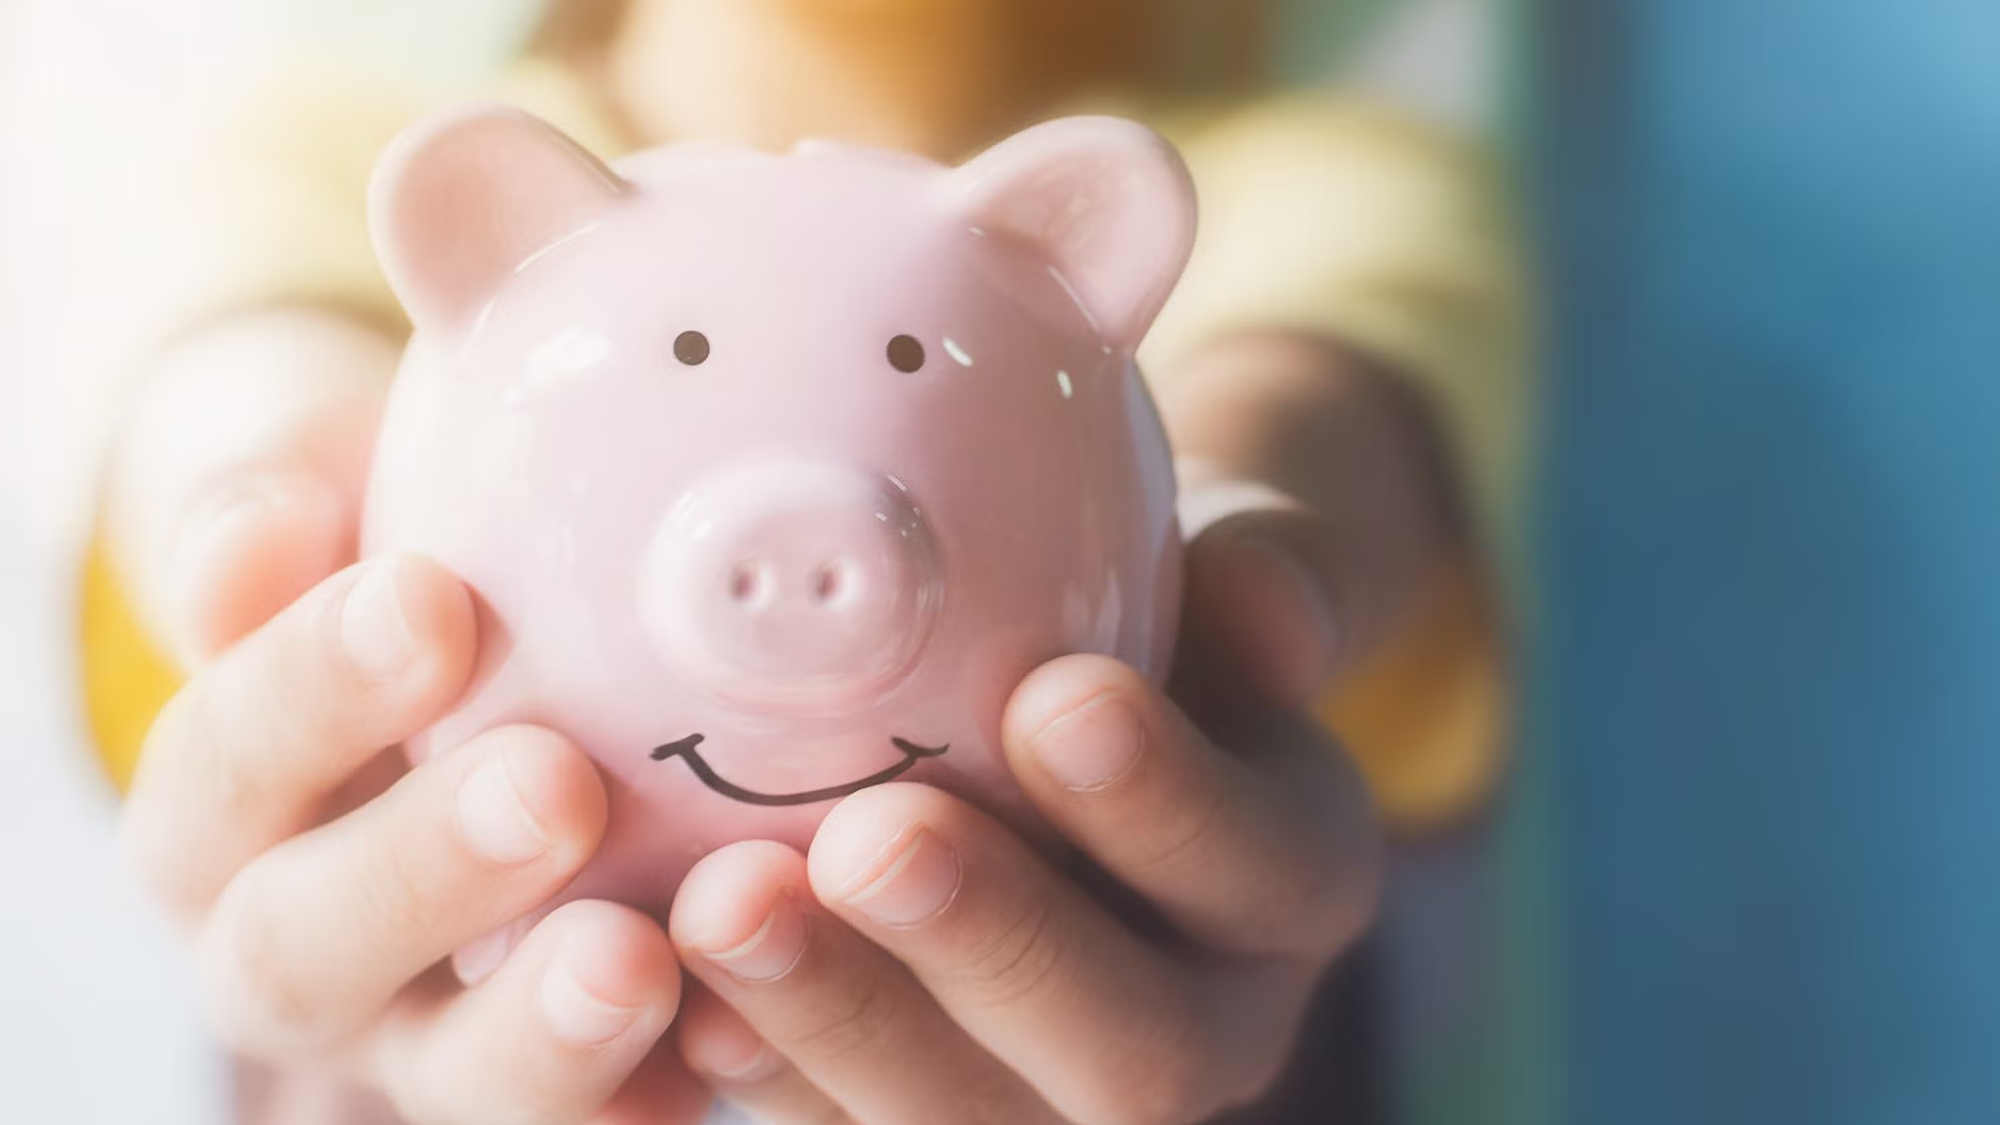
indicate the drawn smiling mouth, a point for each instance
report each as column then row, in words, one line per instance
column 685, row 748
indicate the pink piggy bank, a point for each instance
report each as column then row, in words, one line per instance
column 775, row 474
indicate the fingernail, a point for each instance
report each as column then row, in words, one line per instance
column 1092, row 747
column 373, row 627
column 910, row 883
column 494, row 819
column 761, row 1062
column 579, row 1016
column 480, row 958
column 771, row 951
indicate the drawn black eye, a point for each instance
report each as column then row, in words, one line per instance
column 906, row 354
column 691, row 348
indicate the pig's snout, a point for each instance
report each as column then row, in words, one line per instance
column 797, row 584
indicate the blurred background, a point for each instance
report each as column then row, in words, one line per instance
column 1748, row 869
column 91, row 88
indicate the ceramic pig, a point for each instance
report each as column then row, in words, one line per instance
column 774, row 475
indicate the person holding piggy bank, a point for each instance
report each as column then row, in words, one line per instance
column 1129, row 918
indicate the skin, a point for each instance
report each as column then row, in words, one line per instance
column 1160, row 977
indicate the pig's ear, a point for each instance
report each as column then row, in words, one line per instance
column 1107, row 201
column 465, row 197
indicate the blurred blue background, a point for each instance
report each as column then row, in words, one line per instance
column 1770, row 662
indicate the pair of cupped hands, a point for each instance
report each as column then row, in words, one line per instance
column 921, row 963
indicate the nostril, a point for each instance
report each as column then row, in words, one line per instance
column 831, row 583
column 749, row 586
column 803, row 586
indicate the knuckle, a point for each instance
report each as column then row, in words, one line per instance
column 236, row 792
column 502, row 1100
column 526, row 1104
column 1184, row 840
column 1168, row 1102
column 287, row 698
column 849, row 1024
column 1270, row 1009
column 467, row 1084
column 1168, row 1076
column 290, row 697
column 417, row 1100
column 465, row 1074
column 225, row 730
column 393, row 894
column 1313, row 868
column 1336, row 879
column 1322, row 910
column 994, row 1097
column 158, row 836
column 1178, row 1097
column 1019, row 962
column 259, row 998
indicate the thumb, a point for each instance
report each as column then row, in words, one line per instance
column 1294, row 579
column 238, row 479
column 1277, row 602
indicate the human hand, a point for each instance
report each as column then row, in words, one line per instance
column 237, row 479
column 323, row 883
column 922, row 963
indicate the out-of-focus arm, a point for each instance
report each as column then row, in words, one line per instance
column 1345, row 223
column 253, row 212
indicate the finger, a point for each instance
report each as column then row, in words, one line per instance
column 549, row 1039
column 662, row 1091
column 249, row 546
column 317, row 935
column 1355, row 499
column 722, row 1049
column 240, row 472
column 1279, row 855
column 1103, row 1025
column 248, row 752
column 1273, row 602
column 843, row 1012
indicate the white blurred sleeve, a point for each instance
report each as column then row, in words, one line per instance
column 92, row 94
